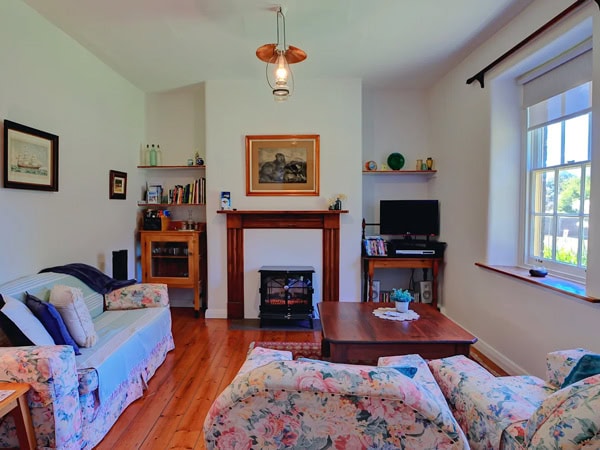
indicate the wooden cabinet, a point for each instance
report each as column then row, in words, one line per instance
column 178, row 259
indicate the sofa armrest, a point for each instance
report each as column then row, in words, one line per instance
column 560, row 363
column 53, row 399
column 485, row 405
column 49, row 370
column 137, row 296
column 567, row 418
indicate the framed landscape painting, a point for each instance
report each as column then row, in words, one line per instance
column 30, row 158
column 282, row 164
column 117, row 185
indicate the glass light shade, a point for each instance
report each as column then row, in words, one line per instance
column 279, row 76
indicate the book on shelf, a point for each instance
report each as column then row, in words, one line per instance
column 191, row 193
column 375, row 246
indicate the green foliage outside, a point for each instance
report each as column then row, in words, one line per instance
column 566, row 256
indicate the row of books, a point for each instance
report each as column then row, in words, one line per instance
column 191, row 193
column 384, row 296
column 375, row 246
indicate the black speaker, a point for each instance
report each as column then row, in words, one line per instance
column 119, row 263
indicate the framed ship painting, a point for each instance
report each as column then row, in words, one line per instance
column 30, row 158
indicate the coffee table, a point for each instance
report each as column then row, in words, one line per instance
column 351, row 332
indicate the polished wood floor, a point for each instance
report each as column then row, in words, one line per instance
column 207, row 356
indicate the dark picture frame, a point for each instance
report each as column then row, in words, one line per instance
column 117, row 185
column 30, row 158
column 282, row 164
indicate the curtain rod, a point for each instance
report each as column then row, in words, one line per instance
column 479, row 76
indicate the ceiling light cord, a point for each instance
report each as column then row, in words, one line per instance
column 281, row 18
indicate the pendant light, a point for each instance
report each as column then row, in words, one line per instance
column 278, row 58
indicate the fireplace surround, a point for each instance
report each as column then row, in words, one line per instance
column 238, row 220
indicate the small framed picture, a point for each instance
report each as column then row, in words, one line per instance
column 154, row 194
column 117, row 185
column 376, row 289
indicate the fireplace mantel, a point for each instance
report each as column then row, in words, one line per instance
column 327, row 220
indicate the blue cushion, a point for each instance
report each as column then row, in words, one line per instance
column 587, row 366
column 52, row 321
column 409, row 371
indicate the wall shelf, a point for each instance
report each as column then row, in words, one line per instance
column 172, row 167
column 165, row 205
column 400, row 172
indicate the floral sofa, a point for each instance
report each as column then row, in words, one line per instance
column 276, row 402
column 525, row 412
column 75, row 400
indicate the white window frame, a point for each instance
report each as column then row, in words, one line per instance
column 531, row 167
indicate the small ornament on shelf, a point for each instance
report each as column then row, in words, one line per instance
column 429, row 163
column 158, row 155
column 335, row 202
column 198, row 159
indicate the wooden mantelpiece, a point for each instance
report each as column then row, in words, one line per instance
column 237, row 220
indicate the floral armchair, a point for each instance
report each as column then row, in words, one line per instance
column 523, row 412
column 276, row 402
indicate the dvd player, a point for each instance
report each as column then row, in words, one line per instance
column 416, row 249
column 400, row 251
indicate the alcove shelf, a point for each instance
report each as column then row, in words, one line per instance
column 172, row 167
column 400, row 172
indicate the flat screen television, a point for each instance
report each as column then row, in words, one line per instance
column 409, row 217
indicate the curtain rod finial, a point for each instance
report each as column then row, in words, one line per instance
column 478, row 77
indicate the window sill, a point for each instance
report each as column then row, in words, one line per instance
column 556, row 284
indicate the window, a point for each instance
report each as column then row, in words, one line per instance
column 558, row 166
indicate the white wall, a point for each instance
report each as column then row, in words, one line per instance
column 50, row 83
column 240, row 108
column 517, row 323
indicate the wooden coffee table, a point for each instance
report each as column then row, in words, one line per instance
column 351, row 332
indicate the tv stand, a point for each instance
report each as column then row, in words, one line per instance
column 383, row 262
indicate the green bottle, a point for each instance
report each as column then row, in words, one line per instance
column 152, row 156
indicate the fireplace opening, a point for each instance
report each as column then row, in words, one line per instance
column 286, row 293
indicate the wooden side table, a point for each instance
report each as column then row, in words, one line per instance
column 17, row 404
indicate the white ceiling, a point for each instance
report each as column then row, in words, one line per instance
column 161, row 45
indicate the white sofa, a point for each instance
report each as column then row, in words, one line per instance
column 75, row 400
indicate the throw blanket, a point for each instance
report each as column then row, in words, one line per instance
column 91, row 276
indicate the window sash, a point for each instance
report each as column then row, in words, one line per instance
column 562, row 252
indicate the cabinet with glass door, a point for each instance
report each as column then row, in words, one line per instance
column 176, row 259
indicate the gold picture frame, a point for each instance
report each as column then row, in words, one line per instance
column 282, row 164
column 30, row 158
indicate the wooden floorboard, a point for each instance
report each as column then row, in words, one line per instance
column 207, row 356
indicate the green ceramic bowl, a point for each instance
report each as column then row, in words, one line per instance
column 395, row 161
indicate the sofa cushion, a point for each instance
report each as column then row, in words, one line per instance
column 52, row 321
column 20, row 325
column 587, row 366
column 71, row 306
column 125, row 339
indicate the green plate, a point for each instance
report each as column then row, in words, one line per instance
column 395, row 161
